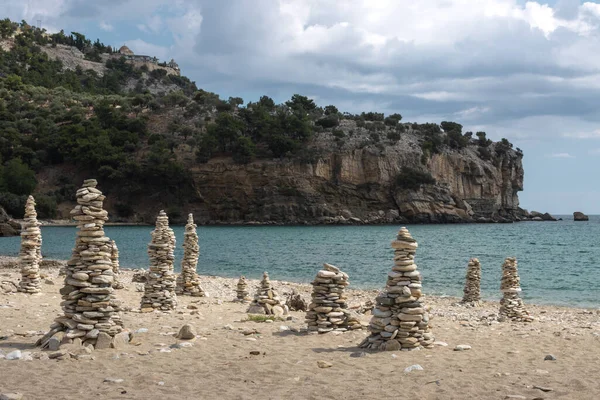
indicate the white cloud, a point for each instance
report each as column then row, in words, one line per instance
column 595, row 152
column 561, row 155
column 106, row 26
column 595, row 134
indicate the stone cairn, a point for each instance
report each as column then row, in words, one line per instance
column 188, row 282
column 88, row 304
column 327, row 311
column 511, row 305
column 243, row 295
column 472, row 291
column 159, row 291
column 267, row 301
column 114, row 258
column 31, row 250
column 400, row 321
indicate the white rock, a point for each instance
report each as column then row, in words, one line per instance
column 415, row 367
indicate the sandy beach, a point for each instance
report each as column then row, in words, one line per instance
column 233, row 358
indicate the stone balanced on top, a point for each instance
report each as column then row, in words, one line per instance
column 188, row 282
column 243, row 295
column 31, row 250
column 328, row 309
column 400, row 321
column 266, row 300
column 88, row 304
column 511, row 305
column 159, row 290
column 114, row 257
column 472, row 290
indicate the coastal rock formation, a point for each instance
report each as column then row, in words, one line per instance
column 328, row 310
column 89, row 306
column 31, row 250
column 188, row 282
column 242, row 294
column 114, row 258
column 266, row 300
column 579, row 216
column 511, row 305
column 159, row 291
column 8, row 227
column 400, row 321
column 538, row 216
column 472, row 290
column 358, row 185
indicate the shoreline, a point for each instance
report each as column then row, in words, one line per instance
column 10, row 264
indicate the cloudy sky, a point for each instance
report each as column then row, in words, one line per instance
column 527, row 71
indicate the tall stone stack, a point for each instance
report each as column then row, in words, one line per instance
column 472, row 290
column 242, row 294
column 114, row 257
column 511, row 305
column 31, row 250
column 159, row 291
column 400, row 321
column 328, row 309
column 266, row 300
column 89, row 307
column 188, row 282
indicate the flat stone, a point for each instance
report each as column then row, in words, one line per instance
column 103, row 342
column 543, row 388
column 549, row 357
column 324, row 364
column 121, row 340
column 113, row 380
column 462, row 347
column 11, row 396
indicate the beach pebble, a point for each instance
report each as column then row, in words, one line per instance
column 113, row 380
column 255, row 353
column 415, row 367
column 543, row 388
column 11, row 396
column 439, row 343
column 358, row 354
column 549, row 357
column 324, row 364
column 14, row 355
column 462, row 347
column 515, row 396
column 141, row 330
column 187, row 332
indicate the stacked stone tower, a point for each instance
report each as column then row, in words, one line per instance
column 242, row 294
column 266, row 300
column 188, row 282
column 31, row 250
column 89, row 307
column 400, row 321
column 511, row 305
column 159, row 292
column 472, row 290
column 114, row 257
column 328, row 309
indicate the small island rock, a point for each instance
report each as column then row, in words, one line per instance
column 579, row 216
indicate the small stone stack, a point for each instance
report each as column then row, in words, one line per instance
column 188, row 282
column 327, row 311
column 114, row 257
column 511, row 305
column 472, row 290
column 243, row 295
column 267, row 301
column 400, row 321
column 159, row 291
column 31, row 250
column 90, row 309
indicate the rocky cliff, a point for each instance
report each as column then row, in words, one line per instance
column 357, row 185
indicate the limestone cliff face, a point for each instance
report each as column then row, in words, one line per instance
column 358, row 186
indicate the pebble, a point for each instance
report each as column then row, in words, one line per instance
column 543, row 388
column 415, row 367
column 515, row 396
column 14, row 355
column 141, row 330
column 549, row 357
column 462, row 347
column 358, row 354
column 113, row 380
column 11, row 396
column 324, row 364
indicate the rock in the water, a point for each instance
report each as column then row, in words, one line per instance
column 187, row 332
column 579, row 216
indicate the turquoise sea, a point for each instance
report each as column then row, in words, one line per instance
column 559, row 262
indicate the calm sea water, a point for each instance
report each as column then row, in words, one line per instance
column 559, row 262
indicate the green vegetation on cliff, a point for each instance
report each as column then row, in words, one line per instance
column 141, row 131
